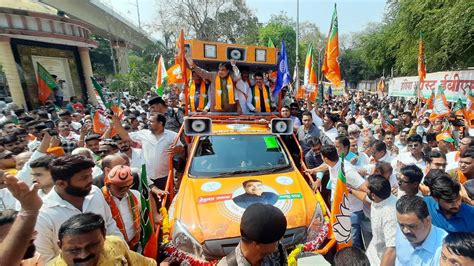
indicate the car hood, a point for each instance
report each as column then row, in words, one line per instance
column 212, row 208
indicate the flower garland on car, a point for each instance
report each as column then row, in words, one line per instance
column 180, row 256
column 309, row 246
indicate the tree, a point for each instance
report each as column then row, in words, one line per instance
column 211, row 20
column 278, row 27
column 447, row 37
column 138, row 80
column 101, row 57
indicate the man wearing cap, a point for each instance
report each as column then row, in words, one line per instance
column 261, row 229
column 445, row 142
column 124, row 203
column 174, row 116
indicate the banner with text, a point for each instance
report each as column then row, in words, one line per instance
column 455, row 83
column 336, row 91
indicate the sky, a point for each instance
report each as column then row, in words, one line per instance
column 353, row 15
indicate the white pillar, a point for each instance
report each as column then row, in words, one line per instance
column 9, row 67
column 121, row 51
column 88, row 73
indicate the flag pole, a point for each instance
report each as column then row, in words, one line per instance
column 297, row 83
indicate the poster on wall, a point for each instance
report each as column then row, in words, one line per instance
column 58, row 66
column 456, row 84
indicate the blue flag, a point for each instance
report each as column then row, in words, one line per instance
column 330, row 91
column 284, row 76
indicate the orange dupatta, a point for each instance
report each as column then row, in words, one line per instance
column 257, row 96
column 230, row 90
column 134, row 209
column 202, row 96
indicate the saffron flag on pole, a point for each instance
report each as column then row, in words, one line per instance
column 46, row 83
column 421, row 67
column 148, row 239
column 440, row 105
column 161, row 77
column 310, row 81
column 330, row 66
column 421, row 60
column 283, row 74
column 341, row 213
column 182, row 58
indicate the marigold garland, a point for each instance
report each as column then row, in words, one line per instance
column 165, row 225
column 309, row 246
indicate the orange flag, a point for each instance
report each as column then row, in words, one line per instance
column 184, row 68
column 100, row 123
column 330, row 67
column 341, row 213
column 310, row 81
column 440, row 106
column 421, row 61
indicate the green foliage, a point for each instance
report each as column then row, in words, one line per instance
column 280, row 26
column 138, row 80
column 448, row 34
column 101, row 58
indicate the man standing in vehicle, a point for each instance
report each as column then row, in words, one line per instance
column 221, row 91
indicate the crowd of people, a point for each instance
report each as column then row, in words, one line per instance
column 73, row 192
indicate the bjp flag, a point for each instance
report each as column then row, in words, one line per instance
column 341, row 213
column 100, row 123
column 330, row 67
column 46, row 83
column 440, row 106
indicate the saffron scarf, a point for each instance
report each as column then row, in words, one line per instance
column 134, row 210
column 202, row 96
column 256, row 97
column 230, row 92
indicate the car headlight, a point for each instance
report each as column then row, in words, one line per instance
column 184, row 241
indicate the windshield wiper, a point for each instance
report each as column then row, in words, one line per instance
column 273, row 170
column 236, row 172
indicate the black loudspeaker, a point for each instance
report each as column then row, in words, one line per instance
column 197, row 126
column 235, row 53
column 282, row 126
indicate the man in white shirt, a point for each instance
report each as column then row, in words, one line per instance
column 157, row 144
column 73, row 193
column 379, row 154
column 328, row 126
column 244, row 93
column 413, row 156
column 41, row 175
column 134, row 155
column 354, row 180
column 381, row 250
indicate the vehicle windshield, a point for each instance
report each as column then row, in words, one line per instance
column 231, row 155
